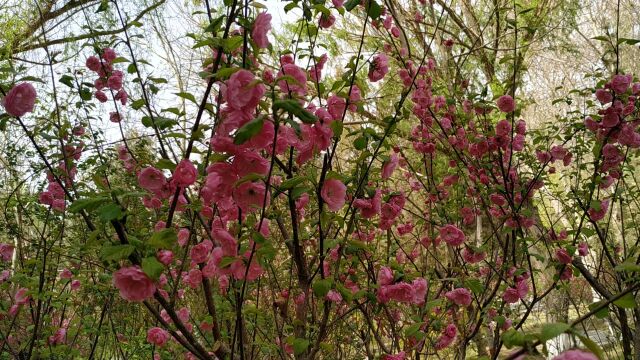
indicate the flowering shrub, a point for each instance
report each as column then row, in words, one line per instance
column 272, row 226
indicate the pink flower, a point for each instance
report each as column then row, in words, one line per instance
column 165, row 257
column 114, row 117
column 583, row 249
column 183, row 236
column 459, row 296
column 114, row 82
column 4, row 275
column 399, row 356
column 109, row 55
column 563, row 256
column 576, row 355
column 503, row 128
column 369, row 207
column 506, row 104
column 336, row 106
column 597, row 215
column 75, row 285
column 261, row 27
column 242, row 94
column 200, row 252
column 194, row 279
column 379, row 67
column 334, row 296
column 385, row 276
column 620, row 83
column 21, row 297
column 101, row 96
column 152, row 179
column 185, row 173
column 122, row 96
column 133, row 283
column 59, row 338
column 20, row 99
column 567, row 273
column 510, row 295
column 6, row 252
column 419, row 291
column 472, row 257
column 447, row 337
column 299, row 83
column 558, row 152
column 66, row 274
column 93, row 63
column 389, row 166
column 157, row 336
column 522, row 288
column 401, row 292
column 333, row 193
column 226, row 241
column 337, row 3
column 326, row 21
column 604, row 96
column 250, row 196
column 452, row 235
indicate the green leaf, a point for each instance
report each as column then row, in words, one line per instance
column 104, row 5
column 226, row 261
column 188, row 96
column 248, row 130
column 110, row 212
column 628, row 266
column 152, row 267
column 225, row 73
column 137, row 104
column 131, row 69
column 300, row 346
column 290, row 183
column 337, row 127
column 360, row 143
column 233, row 43
column 602, row 313
column 116, row 252
column 88, row 204
column 374, row 10
column 513, row 338
column 67, row 80
column 550, row 331
column 297, row 191
column 163, row 239
column 321, row 287
column 432, row 304
column 591, row 345
column 165, row 164
column 351, row 4
column 158, row 80
column 475, row 285
column 290, row 6
column 119, row 59
column 626, row 302
column 214, row 26
column 293, row 107
column 85, row 94
column 628, row 41
column 413, row 329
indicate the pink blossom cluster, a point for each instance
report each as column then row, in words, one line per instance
column 20, row 99
column 402, row 292
column 108, row 78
